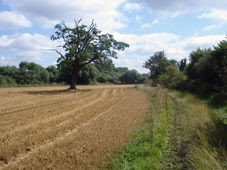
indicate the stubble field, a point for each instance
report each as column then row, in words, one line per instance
column 53, row 128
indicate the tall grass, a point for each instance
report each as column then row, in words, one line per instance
column 178, row 133
column 203, row 132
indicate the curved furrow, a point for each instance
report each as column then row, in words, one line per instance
column 57, row 114
column 29, row 117
column 90, row 142
column 28, row 105
column 73, row 122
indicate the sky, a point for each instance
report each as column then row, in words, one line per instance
column 176, row 27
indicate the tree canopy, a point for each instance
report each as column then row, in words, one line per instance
column 84, row 45
column 157, row 64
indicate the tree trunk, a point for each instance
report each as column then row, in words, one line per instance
column 75, row 72
column 73, row 81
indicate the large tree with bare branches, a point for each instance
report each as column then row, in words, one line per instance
column 83, row 45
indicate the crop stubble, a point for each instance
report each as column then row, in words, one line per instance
column 51, row 128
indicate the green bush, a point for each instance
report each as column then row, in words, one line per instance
column 172, row 78
column 6, row 81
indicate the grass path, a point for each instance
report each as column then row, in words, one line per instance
column 174, row 136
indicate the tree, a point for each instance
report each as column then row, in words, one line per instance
column 182, row 64
column 10, row 71
column 219, row 62
column 84, row 45
column 131, row 77
column 121, row 69
column 53, row 74
column 32, row 73
column 157, row 64
column 172, row 78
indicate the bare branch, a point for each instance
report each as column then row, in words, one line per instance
column 56, row 52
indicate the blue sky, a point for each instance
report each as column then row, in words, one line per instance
column 174, row 26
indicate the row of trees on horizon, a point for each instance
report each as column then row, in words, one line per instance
column 30, row 73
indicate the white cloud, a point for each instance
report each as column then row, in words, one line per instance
column 142, row 47
column 49, row 12
column 156, row 21
column 210, row 27
column 215, row 14
column 173, row 8
column 129, row 7
column 2, row 58
column 13, row 20
column 148, row 25
column 25, row 42
column 26, row 47
column 208, row 41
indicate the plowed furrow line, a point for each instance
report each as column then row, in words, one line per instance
column 56, row 114
column 43, row 113
column 77, row 122
column 27, row 101
column 52, row 121
column 11, row 100
column 36, row 104
column 89, row 143
column 14, row 98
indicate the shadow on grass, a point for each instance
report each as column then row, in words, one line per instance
column 217, row 136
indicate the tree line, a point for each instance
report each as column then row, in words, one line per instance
column 205, row 73
column 30, row 73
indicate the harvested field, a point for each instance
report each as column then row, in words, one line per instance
column 53, row 128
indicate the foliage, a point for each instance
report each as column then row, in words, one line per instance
column 88, row 74
column 120, row 70
column 10, row 71
column 53, row 74
column 131, row 77
column 157, row 64
column 84, row 45
column 207, row 70
column 219, row 61
column 182, row 64
column 32, row 73
column 172, row 78
column 6, row 81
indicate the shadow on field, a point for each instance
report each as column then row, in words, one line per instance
column 54, row 92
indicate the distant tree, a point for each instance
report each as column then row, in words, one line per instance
column 32, row 73
column 53, row 74
column 157, row 64
column 10, row 71
column 121, row 69
column 172, row 78
column 182, row 64
column 131, row 77
column 84, row 45
column 6, row 81
column 173, row 62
